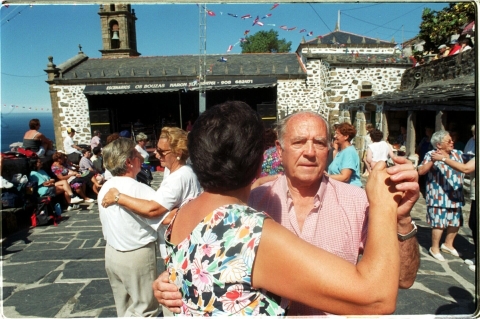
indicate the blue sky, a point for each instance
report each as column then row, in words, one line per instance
column 29, row 34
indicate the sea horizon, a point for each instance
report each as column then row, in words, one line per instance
column 15, row 124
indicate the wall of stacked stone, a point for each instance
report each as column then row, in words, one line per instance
column 451, row 67
column 73, row 112
column 343, row 84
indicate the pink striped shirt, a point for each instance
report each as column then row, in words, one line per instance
column 337, row 222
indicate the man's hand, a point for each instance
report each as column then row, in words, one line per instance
column 404, row 175
column 167, row 294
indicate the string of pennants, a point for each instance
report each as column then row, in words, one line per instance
column 30, row 108
column 257, row 21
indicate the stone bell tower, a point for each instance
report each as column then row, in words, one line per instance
column 119, row 35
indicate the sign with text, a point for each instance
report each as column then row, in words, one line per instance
column 159, row 86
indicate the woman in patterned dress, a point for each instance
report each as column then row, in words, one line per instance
column 444, row 194
column 222, row 253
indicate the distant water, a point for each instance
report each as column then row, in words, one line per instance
column 14, row 126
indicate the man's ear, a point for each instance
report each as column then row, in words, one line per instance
column 279, row 149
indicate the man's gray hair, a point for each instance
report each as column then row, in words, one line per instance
column 116, row 153
column 141, row 137
column 282, row 125
column 438, row 137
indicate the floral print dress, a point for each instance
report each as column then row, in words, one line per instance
column 212, row 267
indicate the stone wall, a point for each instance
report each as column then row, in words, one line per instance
column 71, row 107
column 451, row 67
column 325, row 89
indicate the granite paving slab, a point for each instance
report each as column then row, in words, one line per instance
column 97, row 294
column 28, row 273
column 45, row 301
column 84, row 270
column 67, row 254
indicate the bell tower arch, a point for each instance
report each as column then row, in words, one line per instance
column 119, row 35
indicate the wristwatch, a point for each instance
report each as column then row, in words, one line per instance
column 412, row 233
column 117, row 197
column 444, row 159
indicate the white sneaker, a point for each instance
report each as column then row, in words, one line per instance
column 73, row 207
column 90, row 200
column 76, row 200
column 470, row 261
column 472, row 267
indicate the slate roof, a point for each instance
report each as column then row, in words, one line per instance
column 81, row 69
column 343, row 37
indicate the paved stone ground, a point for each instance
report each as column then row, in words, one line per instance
column 58, row 271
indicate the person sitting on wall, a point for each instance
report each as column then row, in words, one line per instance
column 443, row 52
column 36, row 141
column 97, row 159
column 73, row 151
column 89, row 172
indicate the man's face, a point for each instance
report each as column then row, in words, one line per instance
column 305, row 150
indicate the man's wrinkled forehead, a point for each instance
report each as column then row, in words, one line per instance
column 305, row 125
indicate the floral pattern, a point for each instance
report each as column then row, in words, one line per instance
column 272, row 164
column 61, row 170
column 212, row 267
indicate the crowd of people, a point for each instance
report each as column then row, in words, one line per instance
column 230, row 204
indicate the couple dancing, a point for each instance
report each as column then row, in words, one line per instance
column 223, row 255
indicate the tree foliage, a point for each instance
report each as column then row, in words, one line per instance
column 437, row 26
column 265, row 42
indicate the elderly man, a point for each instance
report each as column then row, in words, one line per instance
column 327, row 213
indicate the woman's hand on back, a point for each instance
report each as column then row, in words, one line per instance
column 109, row 197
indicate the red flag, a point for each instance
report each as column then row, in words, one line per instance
column 247, row 16
column 303, row 30
column 230, row 47
column 211, row 13
column 274, row 6
column 268, row 15
column 246, row 32
column 291, row 29
column 255, row 21
column 310, row 34
column 284, row 27
column 260, row 23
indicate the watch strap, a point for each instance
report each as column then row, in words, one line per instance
column 411, row 234
column 117, row 197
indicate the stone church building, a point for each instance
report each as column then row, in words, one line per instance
column 110, row 93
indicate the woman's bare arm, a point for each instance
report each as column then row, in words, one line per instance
column 466, row 168
column 142, row 207
column 344, row 175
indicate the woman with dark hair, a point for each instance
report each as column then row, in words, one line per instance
column 221, row 251
column 36, row 141
column 49, row 187
column 74, row 179
column 378, row 150
column 345, row 167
